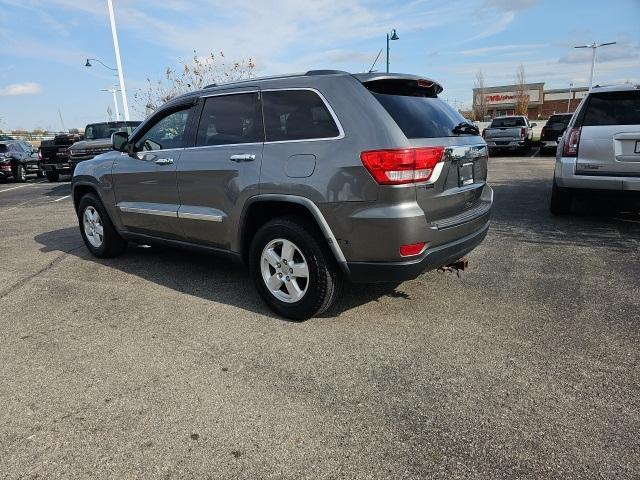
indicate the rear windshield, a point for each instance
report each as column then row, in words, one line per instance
column 508, row 122
column 105, row 130
column 563, row 119
column 613, row 108
column 421, row 116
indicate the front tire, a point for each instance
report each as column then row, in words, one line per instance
column 53, row 176
column 293, row 269
column 98, row 233
column 19, row 174
column 561, row 199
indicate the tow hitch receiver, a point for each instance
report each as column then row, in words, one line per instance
column 456, row 267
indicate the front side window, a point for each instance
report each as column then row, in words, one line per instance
column 613, row 108
column 167, row 133
column 296, row 115
column 230, row 119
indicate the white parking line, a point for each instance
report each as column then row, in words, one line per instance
column 13, row 188
column 61, row 198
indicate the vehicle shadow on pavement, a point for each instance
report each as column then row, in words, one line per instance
column 521, row 212
column 204, row 276
column 59, row 190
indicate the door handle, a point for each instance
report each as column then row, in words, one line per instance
column 242, row 157
column 164, row 161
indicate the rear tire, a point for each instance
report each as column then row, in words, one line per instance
column 106, row 245
column 561, row 199
column 323, row 277
column 19, row 174
column 53, row 176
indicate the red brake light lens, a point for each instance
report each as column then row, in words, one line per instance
column 399, row 166
column 411, row 249
column 523, row 132
column 571, row 142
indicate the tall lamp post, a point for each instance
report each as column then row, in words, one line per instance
column 569, row 102
column 594, row 46
column 115, row 100
column 116, row 47
column 392, row 36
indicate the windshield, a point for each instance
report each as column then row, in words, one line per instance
column 563, row 119
column 508, row 122
column 105, row 130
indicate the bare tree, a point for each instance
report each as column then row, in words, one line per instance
column 521, row 92
column 193, row 75
column 480, row 101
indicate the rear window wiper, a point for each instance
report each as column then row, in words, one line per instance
column 465, row 128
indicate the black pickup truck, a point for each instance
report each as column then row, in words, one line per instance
column 54, row 155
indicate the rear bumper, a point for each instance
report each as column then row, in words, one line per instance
column 63, row 167
column 432, row 258
column 506, row 143
column 548, row 144
column 566, row 177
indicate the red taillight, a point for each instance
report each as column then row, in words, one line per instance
column 572, row 139
column 523, row 132
column 398, row 166
column 412, row 249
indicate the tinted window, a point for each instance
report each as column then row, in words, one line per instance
column 97, row 131
column 3, row 148
column 508, row 122
column 167, row 132
column 297, row 115
column 562, row 119
column 421, row 116
column 613, row 108
column 230, row 119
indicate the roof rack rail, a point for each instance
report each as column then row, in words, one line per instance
column 211, row 85
column 325, row 72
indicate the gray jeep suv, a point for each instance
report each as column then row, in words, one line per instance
column 307, row 178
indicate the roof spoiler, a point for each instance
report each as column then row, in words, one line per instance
column 400, row 78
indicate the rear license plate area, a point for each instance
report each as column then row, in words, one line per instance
column 465, row 174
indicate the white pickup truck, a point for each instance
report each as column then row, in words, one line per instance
column 513, row 132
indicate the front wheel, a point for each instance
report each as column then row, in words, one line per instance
column 19, row 174
column 98, row 233
column 292, row 269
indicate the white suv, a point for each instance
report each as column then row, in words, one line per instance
column 600, row 149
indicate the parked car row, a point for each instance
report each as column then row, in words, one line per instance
column 17, row 160
column 61, row 155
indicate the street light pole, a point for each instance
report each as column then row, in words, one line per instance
column 569, row 103
column 594, row 46
column 393, row 36
column 115, row 100
column 116, row 47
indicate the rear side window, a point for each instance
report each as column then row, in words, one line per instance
column 420, row 116
column 230, row 120
column 613, row 108
column 507, row 122
column 296, row 115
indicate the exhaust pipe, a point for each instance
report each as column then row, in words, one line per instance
column 456, row 267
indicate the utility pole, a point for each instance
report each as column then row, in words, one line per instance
column 594, row 46
column 116, row 47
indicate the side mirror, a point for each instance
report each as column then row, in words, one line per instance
column 119, row 141
column 534, row 125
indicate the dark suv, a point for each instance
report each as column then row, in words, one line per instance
column 307, row 178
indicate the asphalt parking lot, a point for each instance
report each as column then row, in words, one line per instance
column 166, row 364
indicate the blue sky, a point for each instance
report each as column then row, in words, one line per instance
column 44, row 44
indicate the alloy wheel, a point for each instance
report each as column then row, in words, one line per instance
column 284, row 270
